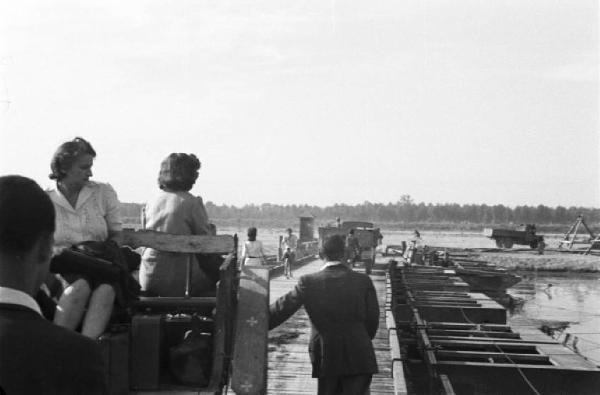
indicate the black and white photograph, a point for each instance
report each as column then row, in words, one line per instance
column 334, row 197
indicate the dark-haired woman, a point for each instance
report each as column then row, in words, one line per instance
column 85, row 210
column 253, row 252
column 174, row 210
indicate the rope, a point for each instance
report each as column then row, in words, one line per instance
column 529, row 383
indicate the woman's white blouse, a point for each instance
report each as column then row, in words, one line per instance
column 95, row 215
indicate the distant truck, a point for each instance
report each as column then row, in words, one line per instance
column 524, row 235
column 368, row 238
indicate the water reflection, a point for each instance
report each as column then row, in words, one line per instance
column 562, row 299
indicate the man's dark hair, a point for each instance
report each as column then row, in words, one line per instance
column 333, row 248
column 26, row 213
column 289, row 230
column 178, row 172
column 67, row 154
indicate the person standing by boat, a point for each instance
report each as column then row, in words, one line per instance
column 253, row 253
column 289, row 246
column 36, row 356
column 414, row 252
column 175, row 210
column 352, row 248
column 344, row 312
column 85, row 211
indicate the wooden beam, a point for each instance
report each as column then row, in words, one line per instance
column 515, row 357
column 446, row 385
column 492, row 339
column 250, row 360
column 469, row 333
column 484, row 344
column 174, row 302
column 400, row 387
column 167, row 242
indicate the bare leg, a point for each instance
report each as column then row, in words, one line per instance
column 71, row 304
column 99, row 311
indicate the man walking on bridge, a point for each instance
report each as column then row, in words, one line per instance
column 289, row 245
column 344, row 312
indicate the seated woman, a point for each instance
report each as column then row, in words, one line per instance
column 175, row 210
column 85, row 210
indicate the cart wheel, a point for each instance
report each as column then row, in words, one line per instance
column 508, row 243
column 499, row 243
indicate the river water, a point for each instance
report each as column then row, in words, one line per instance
column 547, row 298
column 570, row 298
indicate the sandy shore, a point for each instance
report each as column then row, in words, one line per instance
column 550, row 261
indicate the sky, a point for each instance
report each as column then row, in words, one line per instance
column 316, row 102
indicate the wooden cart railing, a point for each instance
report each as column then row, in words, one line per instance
column 224, row 301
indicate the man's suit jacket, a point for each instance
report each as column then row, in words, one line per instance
column 38, row 357
column 344, row 312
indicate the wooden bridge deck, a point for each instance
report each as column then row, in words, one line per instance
column 289, row 370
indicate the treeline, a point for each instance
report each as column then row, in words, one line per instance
column 405, row 211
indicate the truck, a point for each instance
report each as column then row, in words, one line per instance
column 523, row 235
column 368, row 238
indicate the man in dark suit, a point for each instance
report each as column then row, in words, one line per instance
column 36, row 357
column 344, row 312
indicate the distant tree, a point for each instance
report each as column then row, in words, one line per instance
column 405, row 200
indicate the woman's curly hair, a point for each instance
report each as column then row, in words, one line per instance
column 67, row 154
column 178, row 172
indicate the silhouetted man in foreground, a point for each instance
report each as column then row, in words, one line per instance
column 344, row 312
column 36, row 357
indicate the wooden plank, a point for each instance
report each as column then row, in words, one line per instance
column 400, row 387
column 222, row 244
column 491, row 339
column 174, row 302
column 468, row 333
column 252, row 325
column 390, row 323
column 446, row 385
column 394, row 346
column 483, row 344
column 223, row 324
column 515, row 357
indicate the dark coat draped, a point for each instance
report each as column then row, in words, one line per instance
column 343, row 309
column 38, row 357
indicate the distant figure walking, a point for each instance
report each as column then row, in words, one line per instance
column 289, row 246
column 344, row 312
column 352, row 248
column 253, row 253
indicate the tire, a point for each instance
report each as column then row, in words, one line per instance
column 533, row 244
column 499, row 243
column 508, row 243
